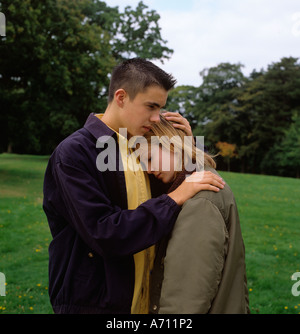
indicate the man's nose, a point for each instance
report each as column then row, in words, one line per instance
column 155, row 117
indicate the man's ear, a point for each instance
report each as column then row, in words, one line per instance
column 120, row 96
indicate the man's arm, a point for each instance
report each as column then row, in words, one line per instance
column 104, row 226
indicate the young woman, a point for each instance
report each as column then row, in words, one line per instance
column 200, row 267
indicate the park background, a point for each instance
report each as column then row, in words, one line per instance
column 55, row 62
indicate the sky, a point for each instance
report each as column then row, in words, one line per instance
column 205, row 33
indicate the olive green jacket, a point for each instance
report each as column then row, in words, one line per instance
column 203, row 270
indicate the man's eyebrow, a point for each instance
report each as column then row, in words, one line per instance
column 154, row 104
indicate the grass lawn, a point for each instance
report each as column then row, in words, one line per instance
column 24, row 235
column 269, row 210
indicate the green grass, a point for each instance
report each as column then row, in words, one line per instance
column 269, row 209
column 24, row 235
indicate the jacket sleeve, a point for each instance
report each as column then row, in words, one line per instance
column 105, row 227
column 194, row 260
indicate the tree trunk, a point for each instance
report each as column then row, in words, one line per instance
column 9, row 148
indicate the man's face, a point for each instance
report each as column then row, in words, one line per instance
column 140, row 114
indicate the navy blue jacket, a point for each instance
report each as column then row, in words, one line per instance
column 91, row 266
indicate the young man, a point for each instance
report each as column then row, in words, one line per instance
column 104, row 223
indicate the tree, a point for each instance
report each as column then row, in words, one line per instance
column 252, row 113
column 287, row 152
column 183, row 99
column 227, row 151
column 218, row 104
column 269, row 100
column 218, row 100
column 133, row 33
column 137, row 34
column 55, row 61
column 53, row 67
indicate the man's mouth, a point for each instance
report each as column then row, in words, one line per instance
column 147, row 128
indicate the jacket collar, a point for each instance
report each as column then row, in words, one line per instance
column 97, row 128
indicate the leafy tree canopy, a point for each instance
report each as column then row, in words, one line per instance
column 55, row 64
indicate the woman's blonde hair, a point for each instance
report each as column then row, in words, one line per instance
column 167, row 134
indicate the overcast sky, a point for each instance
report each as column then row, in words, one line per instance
column 205, row 33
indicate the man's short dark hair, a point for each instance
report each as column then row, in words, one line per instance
column 136, row 75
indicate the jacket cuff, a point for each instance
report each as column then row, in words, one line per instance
column 169, row 201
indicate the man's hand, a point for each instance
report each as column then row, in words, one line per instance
column 196, row 182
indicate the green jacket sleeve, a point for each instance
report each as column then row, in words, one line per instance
column 194, row 260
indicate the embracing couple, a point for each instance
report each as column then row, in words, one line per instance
column 141, row 240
